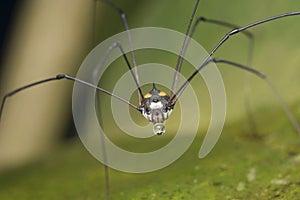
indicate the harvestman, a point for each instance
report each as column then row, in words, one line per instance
column 156, row 106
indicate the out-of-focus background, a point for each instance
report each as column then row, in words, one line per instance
column 42, row 38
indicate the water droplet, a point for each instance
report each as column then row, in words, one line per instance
column 159, row 129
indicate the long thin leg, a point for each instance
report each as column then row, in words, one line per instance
column 247, row 90
column 124, row 20
column 61, row 76
column 95, row 73
column 183, row 49
column 20, row 89
column 106, row 54
column 221, row 23
column 133, row 72
column 222, row 41
column 64, row 76
column 213, row 140
column 190, row 35
column 95, row 76
column 58, row 77
column 270, row 84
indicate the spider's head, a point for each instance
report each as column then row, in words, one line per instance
column 155, row 109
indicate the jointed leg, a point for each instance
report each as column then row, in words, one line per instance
column 104, row 57
column 270, row 84
column 250, row 36
column 183, row 50
column 59, row 77
column 124, row 20
column 222, row 41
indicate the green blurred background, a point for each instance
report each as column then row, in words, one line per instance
column 38, row 162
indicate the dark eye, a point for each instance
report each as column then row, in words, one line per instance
column 147, row 111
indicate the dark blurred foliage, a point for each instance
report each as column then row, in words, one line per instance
column 8, row 9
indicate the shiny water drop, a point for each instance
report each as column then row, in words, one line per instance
column 159, row 129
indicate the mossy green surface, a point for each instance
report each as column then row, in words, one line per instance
column 239, row 167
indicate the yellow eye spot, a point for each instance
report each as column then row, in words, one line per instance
column 148, row 95
column 161, row 93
